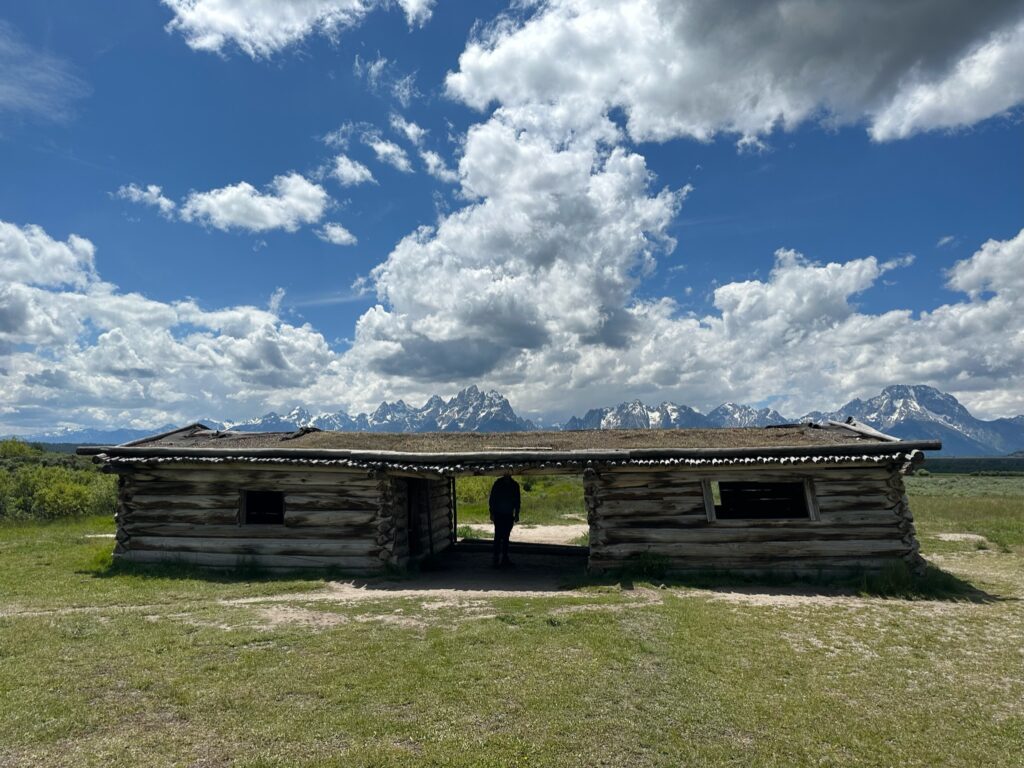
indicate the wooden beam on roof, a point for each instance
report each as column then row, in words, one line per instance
column 863, row 429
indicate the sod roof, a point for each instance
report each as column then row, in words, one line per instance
column 795, row 435
column 455, row 452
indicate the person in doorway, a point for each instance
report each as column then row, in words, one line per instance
column 504, row 507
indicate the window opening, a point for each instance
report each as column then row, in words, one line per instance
column 262, row 508
column 754, row 500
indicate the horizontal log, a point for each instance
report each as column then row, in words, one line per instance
column 853, row 517
column 328, row 517
column 258, row 546
column 150, row 528
column 829, row 485
column 875, row 485
column 711, row 551
column 856, row 518
column 807, row 469
column 220, row 560
column 230, row 485
column 679, row 520
column 667, row 507
column 712, row 534
column 141, row 501
column 291, row 479
column 841, row 504
column 327, row 501
column 825, row 492
column 444, row 534
column 178, row 515
column 692, row 493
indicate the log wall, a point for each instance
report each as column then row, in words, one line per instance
column 191, row 513
column 429, row 502
column 863, row 522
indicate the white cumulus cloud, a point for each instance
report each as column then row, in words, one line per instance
column 387, row 151
column 413, row 132
column 350, row 173
column 681, row 68
column 29, row 255
column 151, row 194
column 261, row 28
column 336, row 234
column 555, row 328
column 75, row 349
column 290, row 201
column 559, row 239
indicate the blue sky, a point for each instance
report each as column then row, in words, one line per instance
column 633, row 199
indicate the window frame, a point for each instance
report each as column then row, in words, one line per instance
column 243, row 512
column 810, row 500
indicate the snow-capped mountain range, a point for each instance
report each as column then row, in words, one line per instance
column 901, row 410
column 924, row 412
column 636, row 415
column 469, row 411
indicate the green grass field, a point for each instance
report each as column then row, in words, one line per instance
column 101, row 666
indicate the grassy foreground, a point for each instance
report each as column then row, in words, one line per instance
column 100, row 666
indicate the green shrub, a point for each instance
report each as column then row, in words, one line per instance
column 38, row 490
column 13, row 448
column 61, row 499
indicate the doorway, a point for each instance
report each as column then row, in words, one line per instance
column 553, row 516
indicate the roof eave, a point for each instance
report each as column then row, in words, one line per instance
column 457, row 457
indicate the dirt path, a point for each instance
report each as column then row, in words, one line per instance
column 540, row 534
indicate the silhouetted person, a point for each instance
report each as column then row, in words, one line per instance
column 504, row 506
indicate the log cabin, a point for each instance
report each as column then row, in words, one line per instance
column 798, row 498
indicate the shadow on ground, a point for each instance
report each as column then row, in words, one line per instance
column 540, row 569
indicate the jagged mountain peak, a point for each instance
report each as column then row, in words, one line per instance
column 903, row 410
column 739, row 415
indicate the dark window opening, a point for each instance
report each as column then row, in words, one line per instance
column 262, row 508
column 760, row 501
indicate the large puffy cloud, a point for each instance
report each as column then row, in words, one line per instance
column 799, row 336
column 29, row 255
column 75, row 349
column 261, row 28
column 533, row 286
column 699, row 68
column 290, row 201
column 561, row 234
column 997, row 266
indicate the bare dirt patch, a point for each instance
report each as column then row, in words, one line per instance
column 972, row 537
column 540, row 534
column 286, row 614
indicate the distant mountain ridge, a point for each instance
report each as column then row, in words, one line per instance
column 910, row 412
column 924, row 412
column 469, row 411
column 636, row 415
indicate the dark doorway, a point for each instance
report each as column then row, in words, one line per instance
column 418, row 503
column 553, row 517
